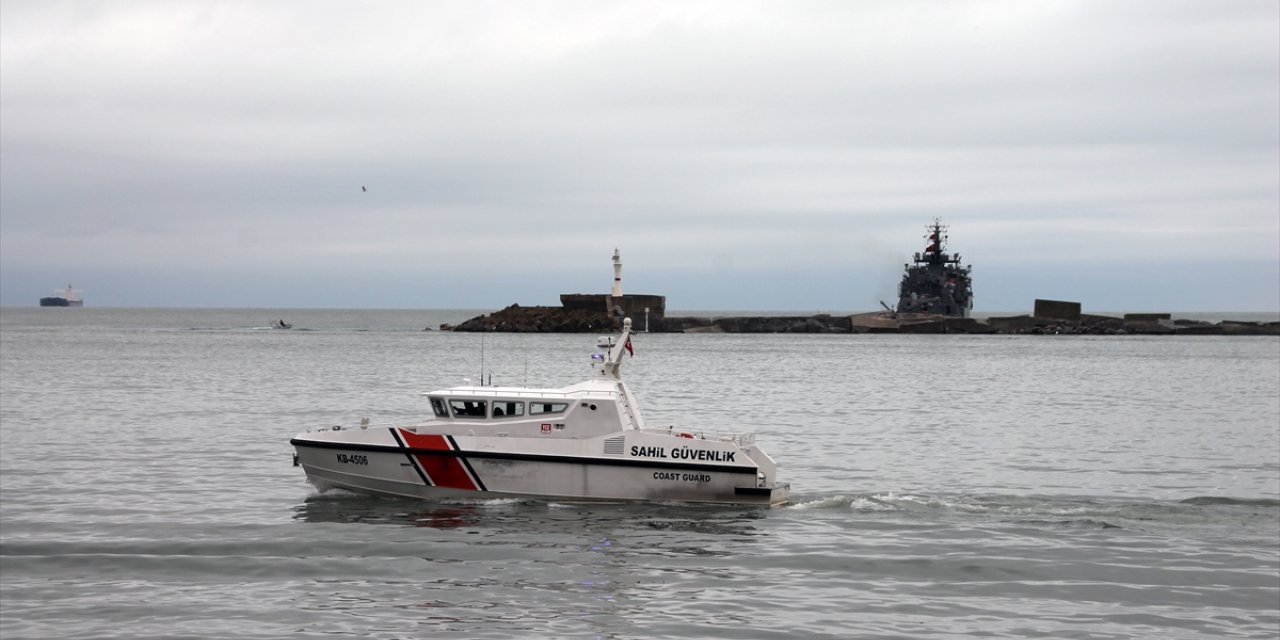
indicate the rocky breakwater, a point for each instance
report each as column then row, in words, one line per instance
column 893, row 322
column 518, row 319
column 821, row 323
column 1112, row 326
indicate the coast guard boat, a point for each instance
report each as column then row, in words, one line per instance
column 584, row 442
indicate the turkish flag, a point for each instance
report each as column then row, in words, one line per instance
column 627, row 346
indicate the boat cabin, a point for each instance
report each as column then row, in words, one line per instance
column 585, row 410
column 472, row 408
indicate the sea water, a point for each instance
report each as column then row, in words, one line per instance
column 943, row 486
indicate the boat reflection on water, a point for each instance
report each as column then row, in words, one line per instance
column 532, row 518
column 355, row 509
column 591, row 568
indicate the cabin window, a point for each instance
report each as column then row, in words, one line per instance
column 441, row 409
column 467, row 408
column 507, row 409
column 536, row 408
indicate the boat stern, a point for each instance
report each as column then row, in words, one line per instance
column 774, row 494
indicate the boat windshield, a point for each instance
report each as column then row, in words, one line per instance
column 468, row 408
column 440, row 408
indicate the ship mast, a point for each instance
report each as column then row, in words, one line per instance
column 935, row 250
column 935, row 243
column 613, row 360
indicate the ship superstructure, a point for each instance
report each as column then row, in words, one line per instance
column 936, row 282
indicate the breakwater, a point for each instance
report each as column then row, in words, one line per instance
column 545, row 319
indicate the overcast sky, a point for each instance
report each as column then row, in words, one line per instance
column 741, row 155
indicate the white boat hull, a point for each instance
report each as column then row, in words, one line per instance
column 637, row 467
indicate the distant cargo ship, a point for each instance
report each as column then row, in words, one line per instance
column 936, row 283
column 68, row 298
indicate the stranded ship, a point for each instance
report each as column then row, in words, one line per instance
column 936, row 283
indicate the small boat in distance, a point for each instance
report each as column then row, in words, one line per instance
column 281, row 324
column 584, row 442
column 68, row 298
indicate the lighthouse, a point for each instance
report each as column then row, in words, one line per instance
column 616, row 304
column 617, row 274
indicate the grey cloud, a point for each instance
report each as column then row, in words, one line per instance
column 763, row 135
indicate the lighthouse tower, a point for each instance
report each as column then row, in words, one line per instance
column 617, row 274
column 618, row 305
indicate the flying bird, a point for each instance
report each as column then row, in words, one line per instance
column 363, row 189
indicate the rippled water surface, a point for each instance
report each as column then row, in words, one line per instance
column 943, row 486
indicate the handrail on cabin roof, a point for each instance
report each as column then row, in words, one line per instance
column 472, row 392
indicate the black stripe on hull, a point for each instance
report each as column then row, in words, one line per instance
column 413, row 463
column 475, row 477
column 530, row 457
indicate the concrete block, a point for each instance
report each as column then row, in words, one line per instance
column 1057, row 310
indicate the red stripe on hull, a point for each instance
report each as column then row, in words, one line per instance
column 444, row 471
